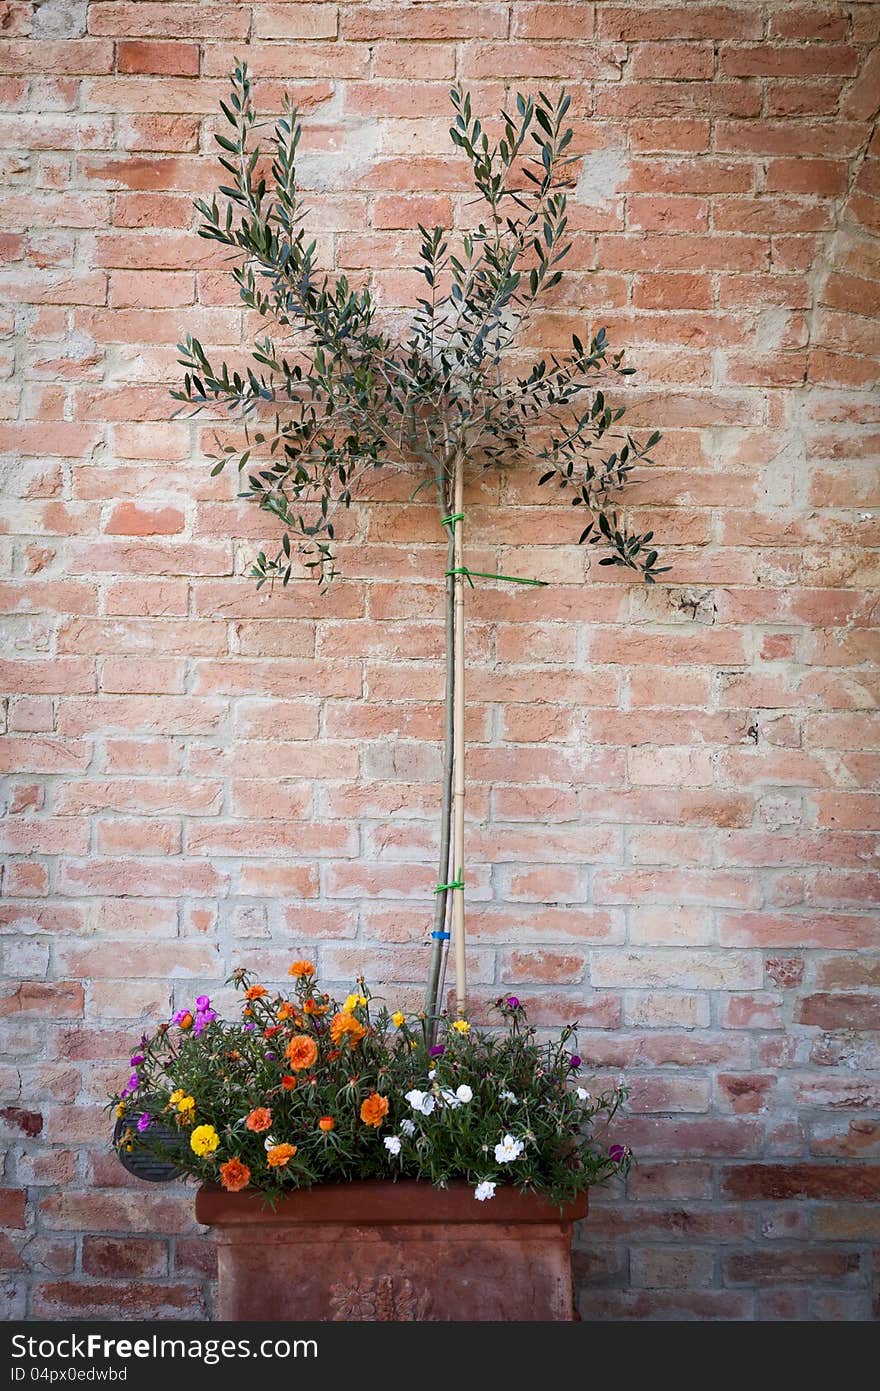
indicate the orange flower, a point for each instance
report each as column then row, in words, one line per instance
column 234, row 1175
column 255, row 992
column 278, row 1155
column 285, row 1011
column 326, row 1123
column 288, row 1083
column 272, row 1031
column 301, row 1052
column 259, row 1119
column 312, row 1007
column 186, row 1021
column 301, row 968
column 374, row 1109
column 345, row 1024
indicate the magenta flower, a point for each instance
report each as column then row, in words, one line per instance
column 512, row 1002
column 179, row 1016
column 137, row 1060
column 145, row 1120
column 574, row 1062
column 438, row 1050
column 203, row 1017
column 616, row 1153
column 203, row 1002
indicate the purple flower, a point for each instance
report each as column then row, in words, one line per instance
column 137, row 1060
column 249, row 1028
column 134, row 1082
column 145, row 1120
column 203, row 1017
column 616, row 1153
column 179, row 1016
column 438, row 1050
column 512, row 1002
column 271, row 1057
column 203, row 1002
column 574, row 1062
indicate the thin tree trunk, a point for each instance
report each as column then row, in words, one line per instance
column 458, row 926
column 436, row 970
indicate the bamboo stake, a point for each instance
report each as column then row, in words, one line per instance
column 458, row 928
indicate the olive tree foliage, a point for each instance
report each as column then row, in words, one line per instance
column 330, row 396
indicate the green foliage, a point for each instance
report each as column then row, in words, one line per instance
column 448, row 1107
column 330, row 396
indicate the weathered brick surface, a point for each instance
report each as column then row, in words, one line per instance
column 675, row 819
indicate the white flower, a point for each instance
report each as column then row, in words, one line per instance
column 484, row 1190
column 392, row 1144
column 449, row 1098
column 432, row 1074
column 464, row 1094
column 508, row 1150
column 582, row 1094
column 269, row 1142
column 408, row 1127
column 421, row 1101
column 507, row 1096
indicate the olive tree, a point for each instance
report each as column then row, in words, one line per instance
column 330, row 395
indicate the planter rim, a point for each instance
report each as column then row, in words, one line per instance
column 381, row 1202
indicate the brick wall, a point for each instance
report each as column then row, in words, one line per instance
column 671, row 789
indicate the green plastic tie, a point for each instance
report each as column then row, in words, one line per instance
column 457, row 883
column 452, row 519
column 484, row 575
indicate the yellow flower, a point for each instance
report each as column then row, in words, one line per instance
column 176, row 1097
column 461, row 1026
column 120, row 1110
column 186, row 1105
column 204, row 1140
column 352, row 1002
column 398, row 1019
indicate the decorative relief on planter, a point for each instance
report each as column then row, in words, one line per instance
column 379, row 1301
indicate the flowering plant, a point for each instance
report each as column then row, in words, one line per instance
column 306, row 1089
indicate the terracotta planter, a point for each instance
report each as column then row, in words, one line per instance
column 391, row 1252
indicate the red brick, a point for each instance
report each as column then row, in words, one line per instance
column 168, row 59
column 61, row 56
column 801, row 1181
column 809, row 22
column 679, row 61
column 126, row 1258
column 184, row 21
column 746, row 1094
column 783, row 1267
column 441, row 22
column 662, row 1267
column 70, row 1299
column 768, row 60
column 840, row 1011
column 12, row 1207
column 696, row 21
column 791, row 930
